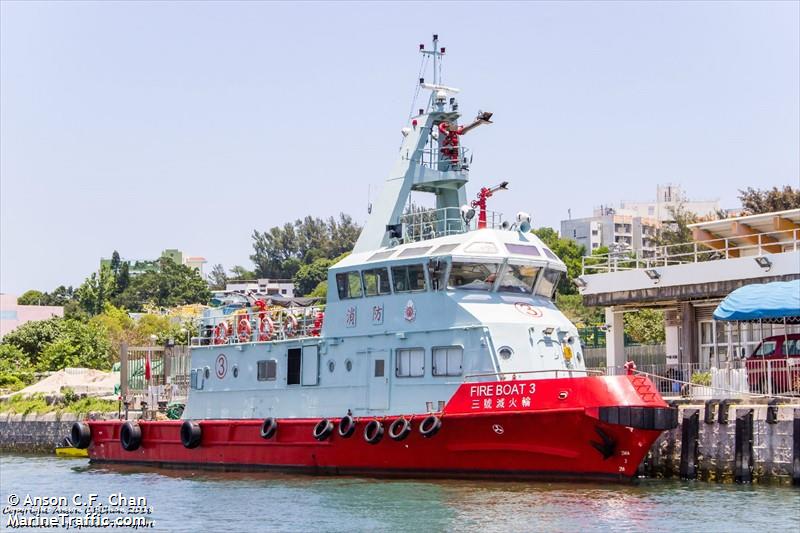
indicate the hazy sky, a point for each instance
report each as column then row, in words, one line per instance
column 143, row 126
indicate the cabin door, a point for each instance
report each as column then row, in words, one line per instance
column 378, row 380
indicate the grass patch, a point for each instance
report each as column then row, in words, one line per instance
column 36, row 403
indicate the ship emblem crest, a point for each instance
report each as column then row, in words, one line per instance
column 411, row 312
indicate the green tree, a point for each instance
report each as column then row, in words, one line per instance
column 96, row 290
column 217, row 279
column 169, row 286
column 645, row 326
column 572, row 306
column 115, row 263
column 124, row 278
column 80, row 345
column 568, row 251
column 32, row 337
column 280, row 251
column 32, row 297
column 310, row 276
column 769, row 200
column 241, row 273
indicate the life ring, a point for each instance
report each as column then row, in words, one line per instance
column 290, row 326
column 81, row 435
column 221, row 333
column 191, row 433
column 347, row 425
column 268, row 428
column 373, row 432
column 265, row 328
column 399, row 429
column 243, row 329
column 316, row 329
column 323, row 428
column 430, row 426
column 130, row 436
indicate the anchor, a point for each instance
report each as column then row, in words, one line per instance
column 607, row 447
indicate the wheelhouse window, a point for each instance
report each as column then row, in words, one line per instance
column 267, row 370
column 547, row 286
column 409, row 362
column 473, row 276
column 448, row 361
column 376, row 282
column 408, row 278
column 349, row 285
column 518, row 278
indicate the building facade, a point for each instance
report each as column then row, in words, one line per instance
column 617, row 231
column 13, row 315
column 280, row 287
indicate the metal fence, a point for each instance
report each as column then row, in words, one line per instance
column 254, row 326
column 169, row 374
column 738, row 379
column 641, row 354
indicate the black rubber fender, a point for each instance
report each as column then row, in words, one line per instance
column 373, row 432
column 191, row 434
column 654, row 418
column 81, row 435
column 347, row 426
column 130, row 436
column 399, row 429
column 323, row 429
column 430, row 426
column 269, row 427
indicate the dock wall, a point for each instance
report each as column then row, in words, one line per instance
column 36, row 433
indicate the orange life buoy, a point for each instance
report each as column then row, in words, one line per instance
column 243, row 329
column 265, row 328
column 221, row 333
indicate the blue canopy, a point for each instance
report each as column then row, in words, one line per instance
column 767, row 301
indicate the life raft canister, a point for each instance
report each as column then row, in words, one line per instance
column 347, row 425
column 191, row 433
column 243, row 329
column 221, row 333
column 430, row 426
column 130, row 436
column 399, row 429
column 373, row 432
column 81, row 435
column 268, row 428
column 323, row 428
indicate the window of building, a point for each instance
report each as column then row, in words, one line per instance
column 293, row 366
column 473, row 276
column 408, row 278
column 575, row 233
column 518, row 278
column 410, row 362
column 448, row 361
column 376, row 282
column 267, row 370
column 547, row 286
column 349, row 285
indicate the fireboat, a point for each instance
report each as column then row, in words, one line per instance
column 440, row 351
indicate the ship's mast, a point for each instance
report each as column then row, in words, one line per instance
column 431, row 160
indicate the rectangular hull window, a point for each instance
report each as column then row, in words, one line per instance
column 410, row 362
column 448, row 361
column 267, row 370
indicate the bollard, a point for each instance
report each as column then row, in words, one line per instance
column 708, row 414
column 796, row 449
column 743, row 459
column 722, row 417
column 689, row 436
column 772, row 411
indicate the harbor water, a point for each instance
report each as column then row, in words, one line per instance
column 183, row 500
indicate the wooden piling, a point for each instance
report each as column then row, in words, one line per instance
column 743, row 444
column 690, row 431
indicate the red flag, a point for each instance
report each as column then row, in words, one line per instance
column 147, row 367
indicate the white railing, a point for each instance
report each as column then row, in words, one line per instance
column 747, row 378
column 243, row 326
column 429, row 224
column 694, row 252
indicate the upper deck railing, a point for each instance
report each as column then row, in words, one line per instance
column 429, row 224
column 252, row 325
column 694, row 252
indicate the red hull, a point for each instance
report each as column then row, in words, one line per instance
column 551, row 439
